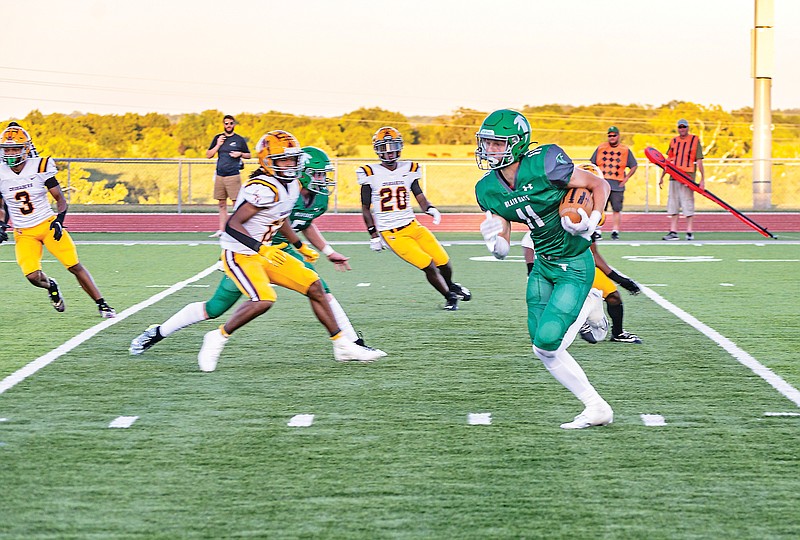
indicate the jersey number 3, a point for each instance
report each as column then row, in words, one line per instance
column 24, row 198
column 400, row 196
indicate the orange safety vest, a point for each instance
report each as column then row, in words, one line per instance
column 683, row 153
column 612, row 160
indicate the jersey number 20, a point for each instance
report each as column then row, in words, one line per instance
column 399, row 194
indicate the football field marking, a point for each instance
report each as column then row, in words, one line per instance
column 301, row 420
column 741, row 356
column 479, row 419
column 653, row 420
column 45, row 360
column 123, row 422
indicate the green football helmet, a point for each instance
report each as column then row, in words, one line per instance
column 315, row 174
column 507, row 126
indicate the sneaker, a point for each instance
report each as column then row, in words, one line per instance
column 596, row 415
column 360, row 343
column 615, row 235
column 626, row 337
column 106, row 311
column 213, row 343
column 671, row 235
column 689, row 236
column 215, row 235
column 462, row 292
column 586, row 333
column 145, row 340
column 55, row 296
column 345, row 351
column 598, row 234
column 452, row 302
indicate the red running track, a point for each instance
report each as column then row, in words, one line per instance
column 463, row 222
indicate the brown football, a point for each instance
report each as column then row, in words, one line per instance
column 576, row 198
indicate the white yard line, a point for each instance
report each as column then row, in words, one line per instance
column 786, row 389
column 45, row 360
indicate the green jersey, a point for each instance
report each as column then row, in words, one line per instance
column 304, row 213
column 540, row 186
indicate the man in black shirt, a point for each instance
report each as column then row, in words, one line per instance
column 230, row 149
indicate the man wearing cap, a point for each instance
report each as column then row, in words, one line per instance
column 686, row 154
column 614, row 158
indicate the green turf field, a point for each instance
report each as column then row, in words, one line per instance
column 390, row 452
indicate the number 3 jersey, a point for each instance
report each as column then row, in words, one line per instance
column 26, row 192
column 391, row 192
column 540, row 186
column 274, row 200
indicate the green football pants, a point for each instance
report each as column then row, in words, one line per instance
column 556, row 292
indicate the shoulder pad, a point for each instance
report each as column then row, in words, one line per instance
column 414, row 167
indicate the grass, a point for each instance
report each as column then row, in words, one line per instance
column 390, row 453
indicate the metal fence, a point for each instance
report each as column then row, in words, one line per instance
column 184, row 184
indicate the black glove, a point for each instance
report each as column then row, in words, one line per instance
column 3, row 233
column 58, row 226
column 627, row 283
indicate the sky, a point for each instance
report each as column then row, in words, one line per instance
column 416, row 57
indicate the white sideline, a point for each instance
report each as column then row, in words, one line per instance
column 43, row 361
column 786, row 389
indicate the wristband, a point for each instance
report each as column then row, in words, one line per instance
column 298, row 244
column 327, row 250
column 372, row 230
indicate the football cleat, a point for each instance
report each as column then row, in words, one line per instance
column 614, row 235
column 586, row 333
column 360, row 343
column 213, row 343
column 596, row 415
column 671, row 235
column 106, row 311
column 55, row 296
column 626, row 337
column 145, row 340
column 462, row 292
column 452, row 302
column 346, row 351
column 689, row 236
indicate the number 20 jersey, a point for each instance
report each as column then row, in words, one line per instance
column 391, row 192
column 26, row 192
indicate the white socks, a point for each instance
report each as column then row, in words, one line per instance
column 341, row 319
column 569, row 373
column 190, row 314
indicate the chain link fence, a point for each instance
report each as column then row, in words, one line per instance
column 186, row 185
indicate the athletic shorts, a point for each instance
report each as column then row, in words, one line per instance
column 30, row 242
column 227, row 187
column 254, row 275
column 615, row 201
column 681, row 197
column 557, row 290
column 416, row 245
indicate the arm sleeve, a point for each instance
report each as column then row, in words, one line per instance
column 245, row 148
column 593, row 159
column 558, row 166
column 213, row 142
column 366, row 195
column 631, row 160
column 415, row 189
column 699, row 149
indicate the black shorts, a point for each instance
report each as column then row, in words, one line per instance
column 615, row 200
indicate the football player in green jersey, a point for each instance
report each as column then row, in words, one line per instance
column 526, row 186
column 312, row 203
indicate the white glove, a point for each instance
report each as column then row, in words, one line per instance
column 585, row 227
column 434, row 212
column 491, row 228
column 376, row 244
